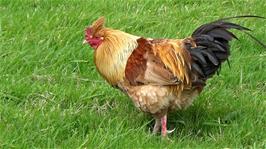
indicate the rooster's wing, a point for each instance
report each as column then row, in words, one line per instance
column 158, row 62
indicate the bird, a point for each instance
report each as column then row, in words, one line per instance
column 162, row 75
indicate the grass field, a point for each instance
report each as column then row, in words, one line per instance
column 52, row 97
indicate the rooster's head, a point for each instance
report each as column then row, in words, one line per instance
column 93, row 35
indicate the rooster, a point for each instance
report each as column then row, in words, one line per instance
column 161, row 75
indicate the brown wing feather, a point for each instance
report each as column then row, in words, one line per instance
column 136, row 63
column 175, row 57
column 144, row 67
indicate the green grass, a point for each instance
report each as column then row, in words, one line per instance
column 52, row 97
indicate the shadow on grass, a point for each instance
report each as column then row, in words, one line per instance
column 197, row 121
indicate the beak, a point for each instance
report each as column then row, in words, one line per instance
column 84, row 42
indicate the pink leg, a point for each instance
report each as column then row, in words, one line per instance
column 157, row 126
column 164, row 125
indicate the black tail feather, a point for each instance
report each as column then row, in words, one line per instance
column 254, row 38
column 212, row 44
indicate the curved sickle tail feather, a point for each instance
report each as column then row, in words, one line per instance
column 212, row 45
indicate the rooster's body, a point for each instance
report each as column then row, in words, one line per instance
column 160, row 75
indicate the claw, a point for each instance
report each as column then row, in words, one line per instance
column 170, row 131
